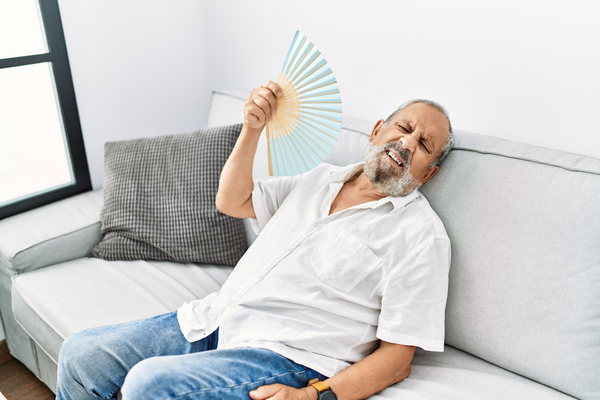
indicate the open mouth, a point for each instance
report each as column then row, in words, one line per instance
column 394, row 158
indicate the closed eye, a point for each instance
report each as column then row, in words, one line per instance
column 426, row 148
column 402, row 128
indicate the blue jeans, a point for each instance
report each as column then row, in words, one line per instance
column 151, row 359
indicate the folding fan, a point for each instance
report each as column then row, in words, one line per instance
column 309, row 114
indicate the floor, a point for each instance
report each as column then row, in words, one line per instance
column 17, row 382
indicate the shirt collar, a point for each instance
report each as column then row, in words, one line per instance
column 343, row 174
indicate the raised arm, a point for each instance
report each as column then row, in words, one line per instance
column 234, row 196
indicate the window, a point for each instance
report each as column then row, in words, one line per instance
column 42, row 157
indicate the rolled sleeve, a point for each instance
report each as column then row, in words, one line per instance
column 268, row 196
column 414, row 298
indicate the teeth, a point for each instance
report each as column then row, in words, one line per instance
column 389, row 153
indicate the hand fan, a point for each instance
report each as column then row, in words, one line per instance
column 309, row 114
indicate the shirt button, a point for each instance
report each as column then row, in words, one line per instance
column 288, row 249
column 318, row 225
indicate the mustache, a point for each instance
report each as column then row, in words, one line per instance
column 400, row 150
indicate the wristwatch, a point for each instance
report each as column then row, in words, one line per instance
column 325, row 393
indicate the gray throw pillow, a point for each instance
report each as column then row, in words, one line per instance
column 159, row 200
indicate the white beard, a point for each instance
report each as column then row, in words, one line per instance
column 384, row 176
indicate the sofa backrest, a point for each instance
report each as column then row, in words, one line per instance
column 525, row 278
column 524, row 223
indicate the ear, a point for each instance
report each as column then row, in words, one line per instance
column 430, row 174
column 376, row 129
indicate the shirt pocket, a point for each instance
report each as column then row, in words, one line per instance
column 344, row 262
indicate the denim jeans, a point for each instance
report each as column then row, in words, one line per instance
column 151, row 359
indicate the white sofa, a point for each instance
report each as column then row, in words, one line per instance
column 523, row 313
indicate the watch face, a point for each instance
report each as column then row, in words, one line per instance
column 327, row 395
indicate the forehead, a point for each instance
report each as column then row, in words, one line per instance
column 425, row 118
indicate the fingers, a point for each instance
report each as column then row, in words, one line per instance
column 274, row 88
column 266, row 97
column 262, row 104
column 265, row 392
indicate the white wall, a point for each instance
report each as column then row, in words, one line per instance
column 139, row 69
column 524, row 70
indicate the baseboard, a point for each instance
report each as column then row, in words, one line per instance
column 4, row 353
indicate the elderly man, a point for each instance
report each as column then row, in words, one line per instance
column 348, row 276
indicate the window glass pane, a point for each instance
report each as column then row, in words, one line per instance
column 21, row 29
column 33, row 150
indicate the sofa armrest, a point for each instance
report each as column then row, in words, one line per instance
column 51, row 234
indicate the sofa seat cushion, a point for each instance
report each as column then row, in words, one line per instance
column 456, row 375
column 54, row 302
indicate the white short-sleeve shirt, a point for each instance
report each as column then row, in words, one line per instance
column 321, row 289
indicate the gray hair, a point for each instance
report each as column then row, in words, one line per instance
column 449, row 141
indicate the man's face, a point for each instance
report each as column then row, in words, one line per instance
column 402, row 151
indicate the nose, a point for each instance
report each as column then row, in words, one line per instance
column 408, row 143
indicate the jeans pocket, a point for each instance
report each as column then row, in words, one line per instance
column 344, row 263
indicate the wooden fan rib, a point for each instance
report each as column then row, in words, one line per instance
column 290, row 144
column 284, row 127
column 306, row 136
column 274, row 163
column 288, row 113
column 291, row 111
column 308, row 96
column 298, row 87
column 299, row 136
column 306, row 52
column 307, row 91
column 276, row 126
column 311, row 130
column 297, row 35
column 306, row 66
column 287, row 88
column 322, row 109
column 280, row 154
column 269, row 152
column 295, row 79
column 303, row 122
column 322, row 65
column 322, row 102
column 288, row 160
column 284, row 160
column 305, row 119
column 322, row 116
column 285, row 121
column 295, row 54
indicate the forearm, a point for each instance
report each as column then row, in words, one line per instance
column 234, row 196
column 388, row 365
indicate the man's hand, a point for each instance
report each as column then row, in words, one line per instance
column 282, row 392
column 261, row 105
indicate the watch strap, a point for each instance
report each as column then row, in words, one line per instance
column 317, row 384
column 325, row 392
